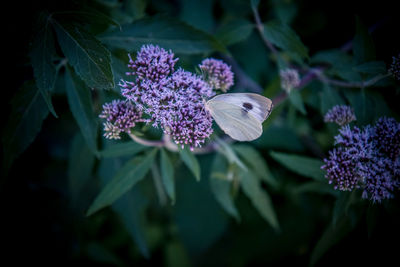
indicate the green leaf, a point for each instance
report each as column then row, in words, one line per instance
column 131, row 173
column 123, row 149
column 334, row 57
column 228, row 152
column 42, row 54
column 221, row 187
column 259, row 198
column 165, row 32
column 80, row 165
column 131, row 209
column 203, row 18
column 25, row 121
column 297, row 101
column 329, row 99
column 280, row 137
column 80, row 103
column 372, row 67
column 90, row 59
column 285, row 38
column 305, row 166
column 315, row 187
column 257, row 163
column 254, row 4
column 190, row 161
column 331, row 236
column 363, row 45
column 235, row 31
column 167, row 175
column 90, row 16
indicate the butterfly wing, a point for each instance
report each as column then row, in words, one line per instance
column 234, row 121
column 261, row 106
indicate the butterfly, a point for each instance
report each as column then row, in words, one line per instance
column 240, row 115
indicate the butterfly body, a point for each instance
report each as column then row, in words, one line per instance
column 240, row 115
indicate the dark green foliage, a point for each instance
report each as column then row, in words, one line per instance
column 69, row 195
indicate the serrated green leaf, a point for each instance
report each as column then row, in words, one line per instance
column 80, row 103
column 90, row 59
column 257, row 163
column 285, row 38
column 221, row 187
column 80, row 165
column 305, row 166
column 190, row 161
column 297, row 101
column 25, row 121
column 165, row 32
column 89, row 16
column 363, row 45
column 259, row 198
column 372, row 67
column 131, row 173
column 167, row 175
column 235, row 31
column 123, row 149
column 45, row 72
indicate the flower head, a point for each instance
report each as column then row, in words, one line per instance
column 217, row 73
column 387, row 136
column 366, row 158
column 153, row 63
column 289, row 79
column 174, row 100
column 120, row 116
column 341, row 115
column 395, row 68
column 340, row 170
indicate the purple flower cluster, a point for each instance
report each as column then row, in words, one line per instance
column 290, row 79
column 341, row 115
column 174, row 100
column 217, row 73
column 152, row 63
column 366, row 158
column 395, row 68
column 120, row 116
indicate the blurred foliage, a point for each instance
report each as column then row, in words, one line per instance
column 72, row 197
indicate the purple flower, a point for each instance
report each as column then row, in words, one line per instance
column 152, row 62
column 395, row 68
column 387, row 137
column 366, row 158
column 341, row 170
column 289, row 79
column 120, row 116
column 379, row 178
column 173, row 100
column 341, row 115
column 217, row 73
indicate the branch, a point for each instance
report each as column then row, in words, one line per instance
column 260, row 28
column 345, row 84
column 167, row 143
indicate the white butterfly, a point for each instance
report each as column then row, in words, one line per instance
column 240, row 115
